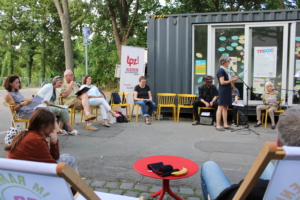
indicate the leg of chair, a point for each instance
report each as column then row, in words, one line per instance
column 174, row 113
column 132, row 112
column 152, row 117
column 97, row 111
column 128, row 112
column 237, row 118
column 158, row 113
column 81, row 116
column 137, row 113
column 266, row 118
column 178, row 113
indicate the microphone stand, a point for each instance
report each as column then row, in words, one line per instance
column 247, row 88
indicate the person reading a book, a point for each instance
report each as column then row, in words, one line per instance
column 12, row 84
column 208, row 95
column 50, row 95
column 271, row 100
column 68, row 92
column 142, row 96
column 215, row 183
column 96, row 99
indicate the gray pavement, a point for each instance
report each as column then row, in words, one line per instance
column 105, row 157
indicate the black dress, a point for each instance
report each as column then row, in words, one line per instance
column 224, row 91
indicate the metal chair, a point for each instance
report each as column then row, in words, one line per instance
column 185, row 101
column 166, row 100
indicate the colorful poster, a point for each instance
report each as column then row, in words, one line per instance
column 258, row 85
column 200, row 67
column 233, row 63
column 265, row 61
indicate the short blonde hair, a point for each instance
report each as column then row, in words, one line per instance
column 268, row 83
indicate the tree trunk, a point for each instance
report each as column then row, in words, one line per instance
column 10, row 61
column 64, row 16
column 281, row 4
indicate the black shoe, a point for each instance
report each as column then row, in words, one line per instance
column 257, row 125
column 273, row 126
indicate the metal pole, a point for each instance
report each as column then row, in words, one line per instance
column 86, row 60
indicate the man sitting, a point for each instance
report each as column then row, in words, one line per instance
column 68, row 92
column 215, row 183
column 208, row 95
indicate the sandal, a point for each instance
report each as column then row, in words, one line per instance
column 62, row 132
column 220, row 129
column 148, row 122
column 228, row 128
column 74, row 132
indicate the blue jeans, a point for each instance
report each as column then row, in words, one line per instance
column 214, row 181
column 143, row 105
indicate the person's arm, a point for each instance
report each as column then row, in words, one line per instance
column 135, row 94
column 9, row 99
column 223, row 82
column 150, row 95
column 264, row 99
column 68, row 89
column 46, row 93
column 54, row 146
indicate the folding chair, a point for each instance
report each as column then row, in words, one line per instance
column 285, row 178
column 36, row 180
column 14, row 116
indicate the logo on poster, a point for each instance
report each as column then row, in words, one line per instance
column 265, row 50
column 131, row 61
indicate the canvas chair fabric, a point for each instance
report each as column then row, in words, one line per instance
column 45, row 181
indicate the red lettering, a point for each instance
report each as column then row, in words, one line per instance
column 131, row 61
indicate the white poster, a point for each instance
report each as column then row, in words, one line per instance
column 132, row 68
column 265, row 62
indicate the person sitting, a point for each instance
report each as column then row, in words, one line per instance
column 32, row 145
column 96, row 99
column 235, row 97
column 12, row 84
column 268, row 94
column 68, row 92
column 49, row 93
column 143, row 97
column 215, row 183
column 208, row 95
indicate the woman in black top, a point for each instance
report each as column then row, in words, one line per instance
column 142, row 96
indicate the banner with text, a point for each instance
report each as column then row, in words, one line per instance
column 265, row 62
column 132, row 68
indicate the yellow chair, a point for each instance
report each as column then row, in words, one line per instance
column 280, row 111
column 14, row 116
column 122, row 104
column 183, row 99
column 92, row 111
column 72, row 111
column 166, row 100
column 137, row 113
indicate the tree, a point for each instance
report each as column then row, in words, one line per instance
column 63, row 11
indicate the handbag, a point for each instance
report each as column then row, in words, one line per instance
column 11, row 133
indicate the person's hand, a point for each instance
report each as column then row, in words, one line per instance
column 276, row 102
column 206, row 104
column 25, row 103
column 47, row 103
column 235, row 78
column 267, row 102
column 233, row 103
column 72, row 83
column 53, row 136
column 211, row 103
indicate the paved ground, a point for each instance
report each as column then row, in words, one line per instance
column 105, row 157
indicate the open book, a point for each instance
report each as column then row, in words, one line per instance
column 83, row 90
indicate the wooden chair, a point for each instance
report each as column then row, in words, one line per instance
column 124, row 103
column 14, row 116
column 94, row 110
column 166, row 100
column 183, row 100
column 280, row 111
column 37, row 180
column 282, row 178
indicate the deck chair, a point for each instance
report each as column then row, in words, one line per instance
column 27, row 180
column 284, row 183
column 14, row 116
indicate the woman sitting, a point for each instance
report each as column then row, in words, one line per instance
column 49, row 93
column 32, row 145
column 96, row 99
column 142, row 96
column 235, row 97
column 268, row 98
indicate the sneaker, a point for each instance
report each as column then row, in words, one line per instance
column 106, row 125
column 234, row 124
column 91, row 128
column 89, row 117
column 195, row 123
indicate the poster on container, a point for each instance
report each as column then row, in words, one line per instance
column 265, row 62
column 132, row 68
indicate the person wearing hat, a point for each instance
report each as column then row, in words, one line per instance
column 208, row 95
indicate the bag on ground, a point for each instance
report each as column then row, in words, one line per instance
column 242, row 118
column 121, row 118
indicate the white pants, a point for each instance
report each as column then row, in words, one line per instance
column 103, row 105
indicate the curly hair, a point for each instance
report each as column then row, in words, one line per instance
column 84, row 79
column 10, row 79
